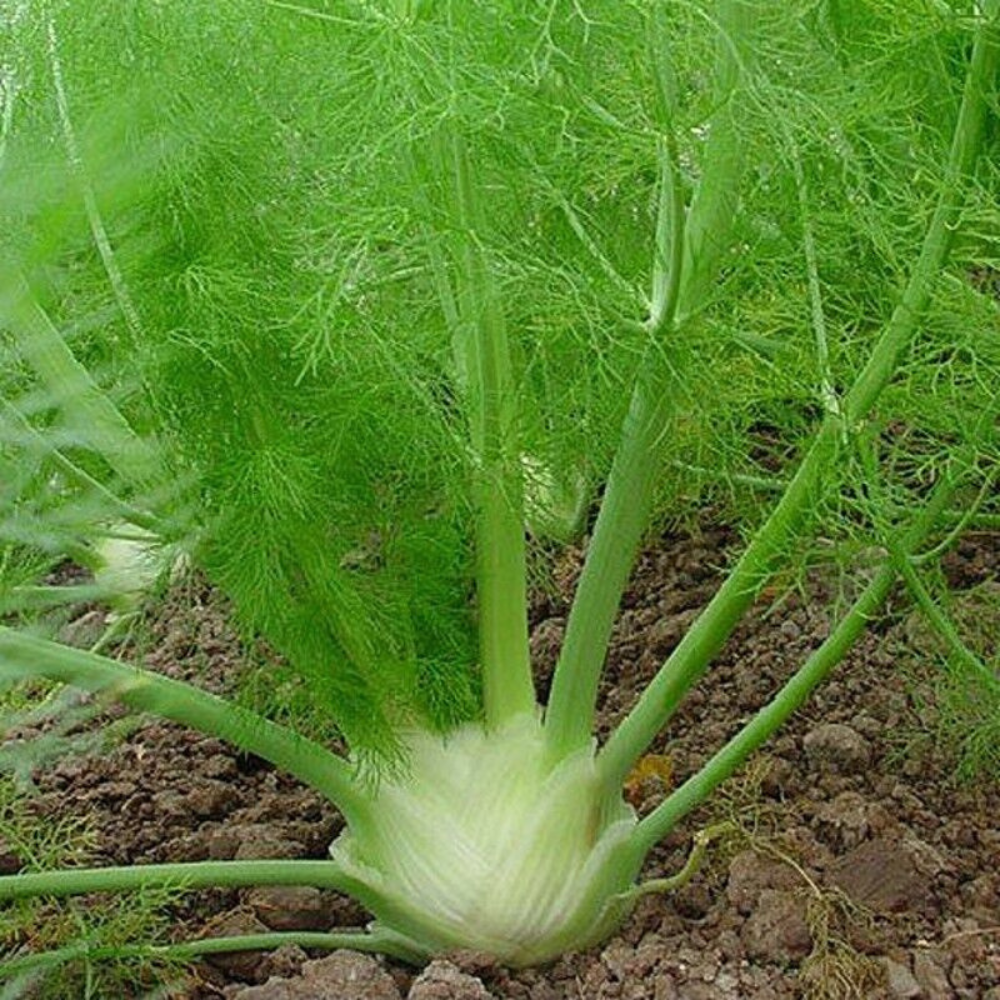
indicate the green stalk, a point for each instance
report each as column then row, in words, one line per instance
column 709, row 229
column 685, row 264
column 372, row 941
column 31, row 597
column 187, row 876
column 24, row 657
column 794, row 693
column 691, row 657
column 483, row 360
column 87, row 409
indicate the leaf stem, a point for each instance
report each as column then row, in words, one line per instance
column 794, row 693
column 828, row 394
column 482, row 356
column 80, row 476
column 97, row 228
column 940, row 622
column 187, row 876
column 681, row 250
column 27, row 657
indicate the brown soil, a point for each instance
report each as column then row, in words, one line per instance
column 857, row 866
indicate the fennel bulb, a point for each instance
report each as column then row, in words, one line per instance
column 483, row 845
column 131, row 563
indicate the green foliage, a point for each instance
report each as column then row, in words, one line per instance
column 272, row 183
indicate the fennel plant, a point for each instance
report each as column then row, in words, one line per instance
column 369, row 288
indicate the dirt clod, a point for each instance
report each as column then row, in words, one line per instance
column 344, row 975
column 930, row 971
column 10, row 860
column 777, row 930
column 442, row 980
column 291, row 908
column 882, row 876
column 750, row 873
column 240, row 964
column 836, row 747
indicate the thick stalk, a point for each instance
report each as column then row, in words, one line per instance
column 795, row 691
column 625, row 510
column 483, row 360
column 24, row 657
column 87, row 409
column 691, row 657
column 187, row 876
column 687, row 256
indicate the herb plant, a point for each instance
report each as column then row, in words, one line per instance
column 352, row 303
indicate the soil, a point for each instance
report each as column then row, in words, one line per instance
column 854, row 865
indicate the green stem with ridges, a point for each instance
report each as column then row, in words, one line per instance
column 483, row 357
column 24, row 657
column 38, row 597
column 793, row 694
column 709, row 633
column 685, row 262
column 187, row 876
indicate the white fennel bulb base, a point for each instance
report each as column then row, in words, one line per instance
column 483, row 846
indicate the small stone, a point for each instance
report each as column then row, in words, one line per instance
column 273, row 989
column 900, row 981
column 286, row 961
column 790, row 629
column 777, row 930
column 838, row 747
column 442, row 980
column 223, row 843
column 291, row 908
column 347, row 975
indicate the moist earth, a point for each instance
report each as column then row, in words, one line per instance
column 849, row 862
